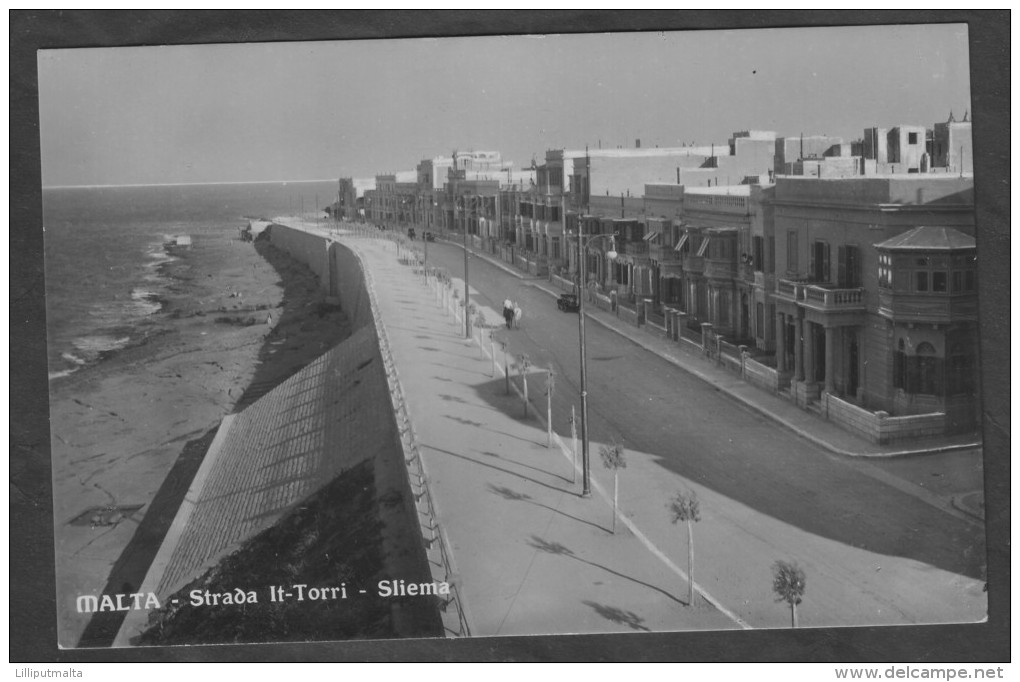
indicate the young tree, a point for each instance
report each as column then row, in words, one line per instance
column 524, row 366
column 612, row 458
column 550, row 385
column 685, row 508
column 788, row 584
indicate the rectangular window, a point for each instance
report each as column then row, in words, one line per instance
column 911, row 138
column 791, row 252
column 820, row 262
column 770, row 266
column 957, row 281
column 939, row 281
column 703, row 247
column 556, row 247
column 853, row 267
column 759, row 254
column 899, row 369
column 718, row 249
column 556, row 175
column 884, row 271
column 921, row 281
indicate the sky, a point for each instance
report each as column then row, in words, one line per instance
column 322, row 110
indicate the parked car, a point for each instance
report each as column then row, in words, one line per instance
column 568, row 303
column 429, row 237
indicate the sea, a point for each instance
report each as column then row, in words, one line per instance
column 104, row 248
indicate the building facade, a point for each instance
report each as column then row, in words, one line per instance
column 838, row 325
column 844, row 270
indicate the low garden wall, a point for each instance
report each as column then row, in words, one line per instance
column 878, row 427
column 761, row 375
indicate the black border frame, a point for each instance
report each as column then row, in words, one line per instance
column 32, row 599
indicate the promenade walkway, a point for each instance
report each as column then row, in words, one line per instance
column 532, row 556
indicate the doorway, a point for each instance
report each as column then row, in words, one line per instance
column 854, row 373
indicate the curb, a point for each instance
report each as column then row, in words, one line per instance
column 755, row 407
column 964, row 503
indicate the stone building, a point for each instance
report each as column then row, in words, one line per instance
column 952, row 148
column 866, row 268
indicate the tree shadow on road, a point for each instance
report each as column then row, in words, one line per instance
column 513, row 495
column 556, row 548
column 493, row 466
column 617, row 615
column 526, row 466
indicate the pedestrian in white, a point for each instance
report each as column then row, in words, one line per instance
column 517, row 316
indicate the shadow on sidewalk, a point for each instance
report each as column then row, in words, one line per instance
column 748, row 459
column 617, row 615
column 496, row 468
column 526, row 466
column 556, row 548
column 513, row 495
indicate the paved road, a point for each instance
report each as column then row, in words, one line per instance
column 873, row 552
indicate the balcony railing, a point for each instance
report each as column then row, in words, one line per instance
column 633, row 248
column 694, row 264
column 821, row 297
column 720, row 269
column 663, row 253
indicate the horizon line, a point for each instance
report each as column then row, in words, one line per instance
column 187, row 184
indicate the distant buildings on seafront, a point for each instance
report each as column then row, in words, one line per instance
column 838, row 274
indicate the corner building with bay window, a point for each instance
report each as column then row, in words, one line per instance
column 876, row 301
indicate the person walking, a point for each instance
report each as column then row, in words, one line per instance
column 517, row 316
column 508, row 312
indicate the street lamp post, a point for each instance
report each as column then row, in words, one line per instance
column 467, row 320
column 467, row 317
column 582, row 245
column 424, row 237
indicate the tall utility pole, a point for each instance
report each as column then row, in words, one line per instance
column 425, row 238
column 581, row 290
column 467, row 317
